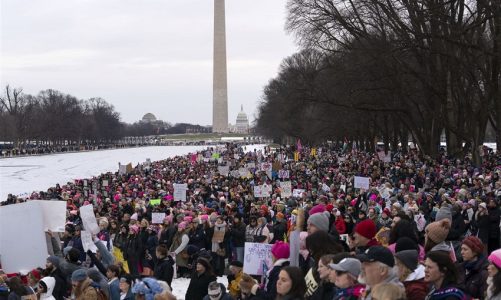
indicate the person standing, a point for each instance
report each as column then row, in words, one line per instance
column 200, row 280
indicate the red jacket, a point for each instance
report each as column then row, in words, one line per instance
column 416, row 290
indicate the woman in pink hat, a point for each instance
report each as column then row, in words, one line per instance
column 494, row 279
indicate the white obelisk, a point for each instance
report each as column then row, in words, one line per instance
column 219, row 88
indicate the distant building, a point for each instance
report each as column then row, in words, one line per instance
column 242, row 123
column 149, row 118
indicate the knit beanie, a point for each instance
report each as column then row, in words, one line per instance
column 444, row 213
column 495, row 258
column 54, row 260
column 408, row 258
column 320, row 220
column 317, row 209
column 406, row 243
column 280, row 250
column 79, row 275
column 475, row 244
column 438, row 231
column 366, row 228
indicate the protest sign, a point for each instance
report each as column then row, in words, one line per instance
column 154, row 202
column 286, row 188
column 105, row 183
column 343, row 188
column 180, row 191
column 223, row 170
column 250, row 166
column 23, row 246
column 257, row 258
column 326, row 188
column 361, row 182
column 267, row 168
column 258, row 191
column 122, row 169
column 157, row 218
column 53, row 213
column 89, row 219
column 235, row 174
column 297, row 193
column 243, row 172
column 87, row 242
column 283, row 174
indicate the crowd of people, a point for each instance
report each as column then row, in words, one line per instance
column 425, row 228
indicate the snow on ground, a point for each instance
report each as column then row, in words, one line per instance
column 180, row 286
column 21, row 175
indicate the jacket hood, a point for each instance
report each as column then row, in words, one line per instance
column 441, row 247
column 417, row 274
column 50, row 282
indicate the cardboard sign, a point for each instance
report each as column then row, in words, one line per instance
column 267, row 168
column 297, row 193
column 362, row 182
column 89, row 219
column 257, row 258
column 105, row 182
column 180, row 191
column 154, row 202
column 223, row 170
column 157, row 218
column 243, row 172
column 122, row 169
column 283, row 174
column 286, row 189
column 23, row 246
column 53, row 213
column 87, row 242
column 262, row 191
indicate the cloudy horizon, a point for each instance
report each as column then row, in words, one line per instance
column 149, row 56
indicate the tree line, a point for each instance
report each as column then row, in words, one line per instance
column 55, row 118
column 395, row 71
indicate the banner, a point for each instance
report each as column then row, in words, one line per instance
column 180, row 191
column 157, row 218
column 23, row 246
column 286, row 189
column 257, row 258
column 362, row 182
column 89, row 219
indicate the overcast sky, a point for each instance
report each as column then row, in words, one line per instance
column 143, row 55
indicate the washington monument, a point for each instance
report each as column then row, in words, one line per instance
column 219, row 88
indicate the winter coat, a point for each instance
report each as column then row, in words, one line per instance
column 237, row 235
column 326, row 290
column 458, row 228
column 447, row 293
column 473, row 277
column 199, row 283
column 164, row 270
column 482, row 225
column 272, row 277
column 279, row 231
column 494, row 218
column 234, row 285
column 224, row 294
column 167, row 235
column 50, row 282
column 351, row 293
column 415, row 286
column 197, row 237
column 114, row 289
column 61, row 286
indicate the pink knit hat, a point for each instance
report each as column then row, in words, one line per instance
column 204, row 217
column 280, row 250
column 134, row 228
column 182, row 225
column 317, row 209
column 495, row 258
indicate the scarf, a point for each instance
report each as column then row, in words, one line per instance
column 215, row 241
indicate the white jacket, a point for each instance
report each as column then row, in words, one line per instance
column 50, row 282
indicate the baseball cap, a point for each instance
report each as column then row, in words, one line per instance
column 350, row 265
column 379, row 254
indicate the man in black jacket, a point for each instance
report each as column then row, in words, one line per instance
column 237, row 234
column 164, row 269
column 52, row 269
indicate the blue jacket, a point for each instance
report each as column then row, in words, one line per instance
column 115, row 289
